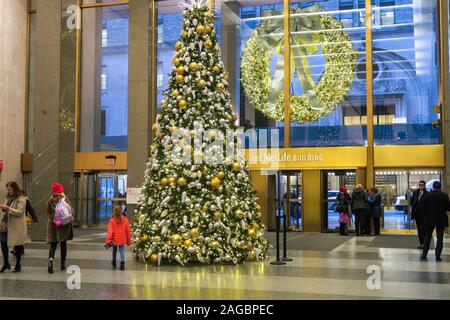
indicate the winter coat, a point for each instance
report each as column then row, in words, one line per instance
column 119, row 232
column 57, row 233
column 416, row 205
column 17, row 222
column 436, row 204
column 343, row 201
column 375, row 205
column 359, row 200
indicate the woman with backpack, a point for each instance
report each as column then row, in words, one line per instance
column 343, row 201
column 13, row 225
column 119, row 235
column 58, row 232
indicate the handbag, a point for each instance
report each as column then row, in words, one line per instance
column 3, row 227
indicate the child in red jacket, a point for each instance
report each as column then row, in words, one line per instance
column 119, row 235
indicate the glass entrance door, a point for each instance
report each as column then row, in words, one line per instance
column 289, row 180
column 111, row 192
column 396, row 188
column 331, row 182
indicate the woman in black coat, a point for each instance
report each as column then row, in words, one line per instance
column 375, row 209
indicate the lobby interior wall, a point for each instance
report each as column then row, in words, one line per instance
column 13, row 38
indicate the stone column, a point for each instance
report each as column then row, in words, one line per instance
column 139, row 89
column 53, row 152
column 13, row 35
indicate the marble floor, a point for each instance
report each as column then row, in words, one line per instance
column 324, row 266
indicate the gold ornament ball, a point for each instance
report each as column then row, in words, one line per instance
column 251, row 233
column 182, row 104
column 202, row 84
column 176, row 62
column 194, row 233
column 236, row 167
column 172, row 129
column 144, row 238
column 205, row 208
column 200, row 28
column 226, row 76
column 180, row 70
column 258, row 207
column 214, row 245
column 159, row 135
column 208, row 44
column 182, row 182
column 164, row 182
column 171, row 180
column 208, row 29
column 215, row 182
column 185, row 34
column 180, row 78
column 193, row 66
column 239, row 214
column 188, row 243
column 212, row 135
column 175, row 93
column 235, row 117
column 178, row 45
column 154, row 258
column 217, row 215
column 175, row 239
column 198, row 104
column 216, row 69
column 256, row 226
column 155, row 126
column 221, row 175
column 220, row 86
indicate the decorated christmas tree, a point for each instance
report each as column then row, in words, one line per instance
column 197, row 202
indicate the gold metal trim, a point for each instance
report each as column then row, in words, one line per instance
column 103, row 4
column 287, row 75
column 442, row 70
column 369, row 103
column 78, row 78
column 153, row 75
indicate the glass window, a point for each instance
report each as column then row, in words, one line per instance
column 396, row 188
column 104, row 103
column 314, row 60
column 405, row 86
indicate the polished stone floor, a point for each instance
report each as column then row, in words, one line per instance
column 324, row 266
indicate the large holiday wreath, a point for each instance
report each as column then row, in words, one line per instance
column 308, row 30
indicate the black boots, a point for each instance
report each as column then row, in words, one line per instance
column 50, row 266
column 18, row 267
column 122, row 266
column 63, row 265
column 5, row 267
column 113, row 263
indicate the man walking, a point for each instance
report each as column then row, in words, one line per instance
column 417, row 211
column 435, row 205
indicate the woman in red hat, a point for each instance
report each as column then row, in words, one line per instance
column 57, row 233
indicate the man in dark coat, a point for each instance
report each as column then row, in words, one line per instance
column 417, row 211
column 435, row 205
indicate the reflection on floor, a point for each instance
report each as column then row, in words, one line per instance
column 325, row 266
